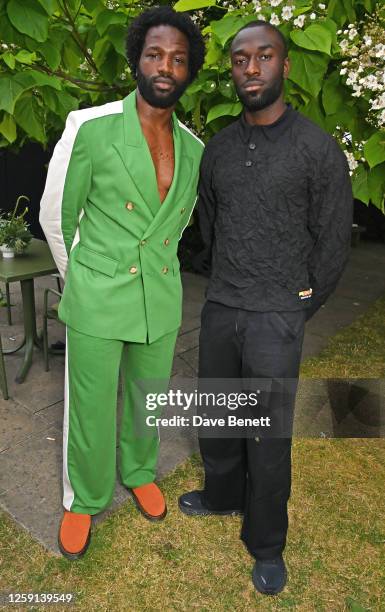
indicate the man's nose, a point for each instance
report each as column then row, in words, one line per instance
column 165, row 65
column 253, row 67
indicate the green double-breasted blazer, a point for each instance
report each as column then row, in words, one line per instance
column 112, row 239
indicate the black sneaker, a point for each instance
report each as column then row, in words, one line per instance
column 191, row 504
column 269, row 575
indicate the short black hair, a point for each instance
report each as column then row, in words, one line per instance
column 258, row 23
column 165, row 15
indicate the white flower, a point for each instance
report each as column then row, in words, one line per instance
column 367, row 41
column 322, row 6
column 299, row 21
column 275, row 2
column 274, row 19
column 378, row 103
column 353, row 163
column 350, row 26
column 370, row 82
column 379, row 50
column 344, row 44
column 287, row 12
column 381, row 118
column 261, row 17
column 257, row 6
column 352, row 34
column 313, row 16
column 339, row 31
column 343, row 71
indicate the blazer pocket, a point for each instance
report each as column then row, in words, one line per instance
column 96, row 261
column 176, row 266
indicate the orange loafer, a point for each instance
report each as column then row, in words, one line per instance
column 74, row 534
column 150, row 501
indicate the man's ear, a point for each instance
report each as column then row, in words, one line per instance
column 286, row 67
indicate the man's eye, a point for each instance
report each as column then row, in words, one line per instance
column 240, row 61
column 265, row 56
column 153, row 55
column 180, row 60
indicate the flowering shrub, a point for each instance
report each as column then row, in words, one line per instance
column 57, row 55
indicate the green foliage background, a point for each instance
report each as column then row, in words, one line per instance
column 60, row 55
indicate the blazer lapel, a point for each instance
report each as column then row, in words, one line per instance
column 182, row 173
column 136, row 156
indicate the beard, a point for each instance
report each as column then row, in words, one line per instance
column 159, row 100
column 255, row 101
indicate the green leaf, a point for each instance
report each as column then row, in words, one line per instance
column 110, row 68
column 308, row 69
column 376, row 183
column 333, row 94
column 188, row 102
column 9, row 59
column 117, row 35
column 34, row 78
column 51, row 54
column 8, row 128
column 65, row 103
column 315, row 37
column 374, row 149
column 196, row 115
column 191, row 5
column 28, row 116
column 348, row 6
column 26, row 57
column 312, row 111
column 94, row 6
column 29, row 18
column 8, row 34
column 228, row 26
column 107, row 18
column 213, row 53
column 337, row 12
column 226, row 108
column 10, row 90
column 50, row 6
column 360, row 184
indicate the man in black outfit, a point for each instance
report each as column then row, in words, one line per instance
column 275, row 212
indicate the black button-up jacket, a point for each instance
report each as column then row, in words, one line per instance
column 275, row 213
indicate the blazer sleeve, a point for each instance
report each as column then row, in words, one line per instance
column 66, row 189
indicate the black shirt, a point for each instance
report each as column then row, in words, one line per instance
column 275, row 213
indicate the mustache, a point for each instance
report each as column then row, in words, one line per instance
column 253, row 82
column 168, row 80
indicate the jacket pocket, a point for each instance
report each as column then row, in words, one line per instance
column 96, row 261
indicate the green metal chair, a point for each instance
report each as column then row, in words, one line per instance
column 49, row 312
column 3, row 374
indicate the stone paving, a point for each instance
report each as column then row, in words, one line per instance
column 31, row 420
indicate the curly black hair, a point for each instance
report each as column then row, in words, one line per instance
column 165, row 15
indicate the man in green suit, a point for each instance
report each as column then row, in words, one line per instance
column 120, row 189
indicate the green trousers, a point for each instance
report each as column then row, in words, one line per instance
column 89, row 432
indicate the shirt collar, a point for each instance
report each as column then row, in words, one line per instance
column 272, row 131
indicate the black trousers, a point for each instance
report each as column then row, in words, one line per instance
column 251, row 474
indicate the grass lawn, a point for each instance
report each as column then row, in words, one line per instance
column 335, row 553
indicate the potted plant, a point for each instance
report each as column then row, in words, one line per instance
column 14, row 233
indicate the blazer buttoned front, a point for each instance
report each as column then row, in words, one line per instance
column 112, row 239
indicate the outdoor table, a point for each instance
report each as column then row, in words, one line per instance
column 36, row 261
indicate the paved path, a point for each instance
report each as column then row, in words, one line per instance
column 31, row 420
